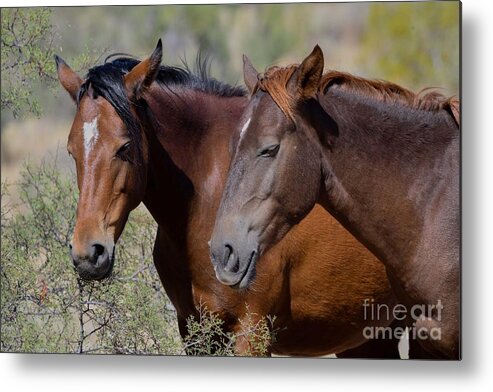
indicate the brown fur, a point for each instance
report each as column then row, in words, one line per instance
column 186, row 150
column 294, row 282
column 382, row 160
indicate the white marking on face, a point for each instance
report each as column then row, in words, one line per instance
column 91, row 134
column 245, row 126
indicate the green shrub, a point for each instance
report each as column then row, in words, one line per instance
column 45, row 307
column 207, row 337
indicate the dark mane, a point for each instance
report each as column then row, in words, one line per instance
column 106, row 80
column 109, row 76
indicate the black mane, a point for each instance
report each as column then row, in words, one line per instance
column 106, row 80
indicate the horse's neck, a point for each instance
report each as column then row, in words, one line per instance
column 390, row 166
column 190, row 157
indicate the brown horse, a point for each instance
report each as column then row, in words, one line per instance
column 381, row 159
column 162, row 136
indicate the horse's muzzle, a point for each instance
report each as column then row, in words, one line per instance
column 94, row 262
column 233, row 266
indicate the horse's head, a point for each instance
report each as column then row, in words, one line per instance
column 275, row 175
column 109, row 148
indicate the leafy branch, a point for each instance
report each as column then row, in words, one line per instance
column 27, row 43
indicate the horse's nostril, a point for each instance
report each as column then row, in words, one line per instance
column 228, row 251
column 99, row 249
column 230, row 261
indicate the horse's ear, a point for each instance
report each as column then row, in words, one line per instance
column 138, row 80
column 304, row 82
column 68, row 78
column 249, row 74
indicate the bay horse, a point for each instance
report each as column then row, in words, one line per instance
column 382, row 160
column 164, row 136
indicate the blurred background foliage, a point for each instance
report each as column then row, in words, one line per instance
column 414, row 44
column 27, row 39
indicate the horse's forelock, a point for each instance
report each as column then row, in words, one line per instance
column 274, row 81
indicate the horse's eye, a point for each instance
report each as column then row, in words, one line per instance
column 269, row 152
column 122, row 152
